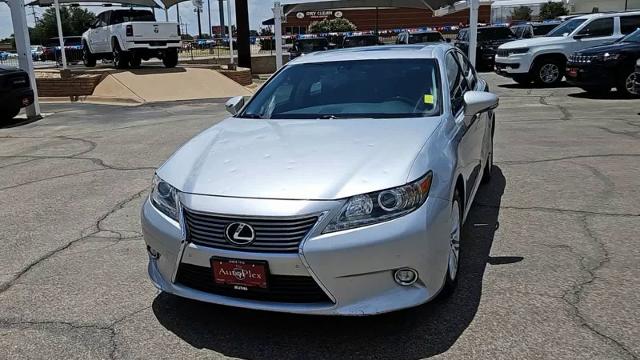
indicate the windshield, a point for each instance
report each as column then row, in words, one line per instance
column 349, row 89
column 633, row 37
column 540, row 30
column 566, row 28
column 500, row 33
column 425, row 38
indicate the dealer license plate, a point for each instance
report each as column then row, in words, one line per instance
column 239, row 274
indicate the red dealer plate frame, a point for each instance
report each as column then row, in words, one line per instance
column 240, row 274
column 573, row 72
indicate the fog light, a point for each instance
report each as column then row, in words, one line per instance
column 153, row 253
column 405, row 277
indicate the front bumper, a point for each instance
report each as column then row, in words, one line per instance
column 592, row 75
column 512, row 64
column 354, row 268
column 21, row 97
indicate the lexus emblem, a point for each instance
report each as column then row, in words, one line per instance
column 239, row 233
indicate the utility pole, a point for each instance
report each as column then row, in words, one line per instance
column 221, row 12
column 33, row 12
column 199, row 25
column 209, row 13
column 244, row 35
column 230, row 25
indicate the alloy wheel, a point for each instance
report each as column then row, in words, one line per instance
column 454, row 241
column 549, row 73
column 630, row 84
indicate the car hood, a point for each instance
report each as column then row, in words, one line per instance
column 539, row 41
column 298, row 159
column 613, row 47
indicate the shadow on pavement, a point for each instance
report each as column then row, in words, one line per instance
column 424, row 331
column 611, row 95
column 515, row 85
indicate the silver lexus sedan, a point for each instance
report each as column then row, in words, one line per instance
column 339, row 188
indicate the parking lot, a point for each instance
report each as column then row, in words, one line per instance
column 550, row 251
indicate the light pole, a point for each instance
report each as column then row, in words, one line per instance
column 60, row 35
column 230, row 22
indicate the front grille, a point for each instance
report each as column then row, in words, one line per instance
column 581, row 59
column 282, row 235
column 282, row 288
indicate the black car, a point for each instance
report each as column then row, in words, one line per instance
column 598, row 69
column 15, row 92
column 308, row 45
column 421, row 37
column 531, row 30
column 489, row 38
column 360, row 40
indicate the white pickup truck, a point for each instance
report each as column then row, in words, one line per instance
column 129, row 36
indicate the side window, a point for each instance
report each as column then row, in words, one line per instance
column 629, row 24
column 468, row 71
column 457, row 83
column 598, row 27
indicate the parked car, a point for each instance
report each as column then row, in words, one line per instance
column 308, row 45
column 332, row 191
column 420, row 37
column 129, row 36
column 36, row 52
column 352, row 41
column 15, row 92
column 533, row 29
column 598, row 69
column 72, row 49
column 489, row 38
column 4, row 56
column 544, row 59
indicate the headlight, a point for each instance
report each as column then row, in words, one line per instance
column 518, row 51
column 608, row 57
column 165, row 198
column 379, row 206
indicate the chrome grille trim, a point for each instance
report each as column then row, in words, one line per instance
column 273, row 234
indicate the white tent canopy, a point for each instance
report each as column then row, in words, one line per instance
column 281, row 8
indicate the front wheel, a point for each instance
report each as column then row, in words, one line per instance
column 626, row 84
column 88, row 59
column 455, row 235
column 170, row 58
column 548, row 72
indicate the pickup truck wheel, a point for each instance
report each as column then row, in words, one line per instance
column 120, row 58
column 548, row 72
column 626, row 84
column 87, row 57
column 170, row 58
column 135, row 61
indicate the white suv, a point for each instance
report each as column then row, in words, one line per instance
column 543, row 59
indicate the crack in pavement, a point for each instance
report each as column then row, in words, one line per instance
column 573, row 295
column 95, row 229
column 566, row 114
column 524, row 162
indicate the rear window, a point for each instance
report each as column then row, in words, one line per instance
column 119, row 17
column 498, row 33
column 425, row 38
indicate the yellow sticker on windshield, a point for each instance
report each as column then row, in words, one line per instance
column 428, row 99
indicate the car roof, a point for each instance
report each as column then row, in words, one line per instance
column 418, row 51
column 600, row 15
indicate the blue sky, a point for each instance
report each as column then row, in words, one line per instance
column 259, row 10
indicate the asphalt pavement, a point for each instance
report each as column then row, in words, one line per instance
column 551, row 262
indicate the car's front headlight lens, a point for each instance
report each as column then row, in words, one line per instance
column 608, row 56
column 165, row 198
column 518, row 51
column 379, row 206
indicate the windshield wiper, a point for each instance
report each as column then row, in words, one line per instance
column 328, row 116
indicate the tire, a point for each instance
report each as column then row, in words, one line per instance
column 548, row 72
column 625, row 84
column 170, row 58
column 7, row 114
column 120, row 58
column 453, row 262
column 486, row 174
column 135, row 61
column 522, row 79
column 88, row 59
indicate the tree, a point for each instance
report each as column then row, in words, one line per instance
column 521, row 13
column 333, row 25
column 552, row 10
column 74, row 21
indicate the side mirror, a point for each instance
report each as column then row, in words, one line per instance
column 478, row 101
column 234, row 105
